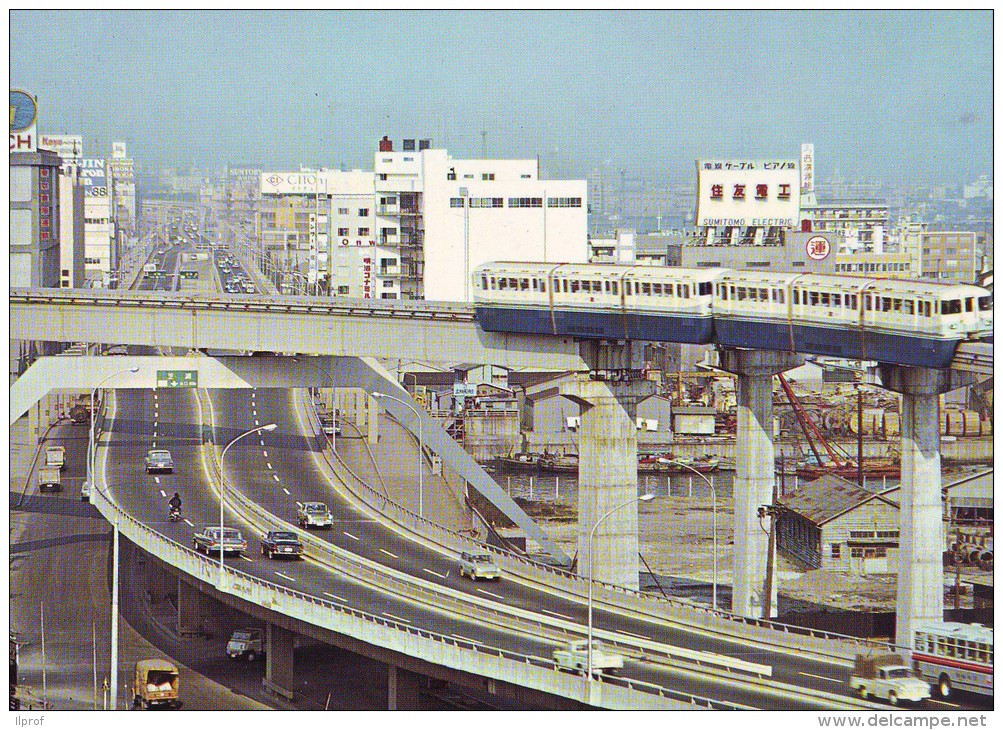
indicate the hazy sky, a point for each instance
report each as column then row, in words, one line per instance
column 895, row 95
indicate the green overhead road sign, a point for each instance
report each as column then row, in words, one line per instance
column 177, row 378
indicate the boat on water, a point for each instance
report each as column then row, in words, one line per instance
column 661, row 464
column 518, row 462
column 873, row 468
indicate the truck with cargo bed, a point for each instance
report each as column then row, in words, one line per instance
column 889, row 677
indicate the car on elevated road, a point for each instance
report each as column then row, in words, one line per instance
column 208, row 541
column 314, row 514
column 159, row 460
column 281, row 544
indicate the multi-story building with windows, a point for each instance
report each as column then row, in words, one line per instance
column 954, row 256
column 419, row 224
column 437, row 218
column 862, row 224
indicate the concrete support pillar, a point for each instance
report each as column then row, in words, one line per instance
column 191, row 609
column 607, row 477
column 920, row 598
column 754, row 473
column 279, row 662
column 403, row 689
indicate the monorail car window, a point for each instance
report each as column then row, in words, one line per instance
column 575, row 285
column 613, row 287
column 722, row 291
column 705, row 288
column 764, row 295
column 907, row 305
column 686, row 291
column 543, row 285
column 484, row 282
column 970, row 304
column 740, row 293
column 950, row 306
column 564, row 286
column 837, row 300
column 985, row 304
column 646, row 288
column 656, row 289
column 536, row 285
column 523, row 284
column 851, row 301
column 797, row 296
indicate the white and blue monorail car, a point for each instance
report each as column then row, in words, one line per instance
column 888, row 320
column 596, row 301
column 895, row 321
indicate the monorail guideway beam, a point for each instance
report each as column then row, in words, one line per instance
column 920, row 597
column 754, row 471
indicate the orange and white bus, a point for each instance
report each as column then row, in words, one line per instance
column 951, row 655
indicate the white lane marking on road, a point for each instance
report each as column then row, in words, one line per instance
column 396, row 618
column 268, row 464
column 157, row 480
column 466, row 638
column 254, row 411
column 636, row 636
column 349, row 534
column 437, row 575
column 940, row 702
column 819, row 676
column 275, row 477
column 244, row 557
column 163, row 493
column 337, row 598
column 189, row 522
column 288, row 493
column 489, row 593
column 387, row 552
column 283, row 575
column 554, row 613
column 257, row 422
column 265, row 454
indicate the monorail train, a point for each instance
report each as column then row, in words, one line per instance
column 893, row 321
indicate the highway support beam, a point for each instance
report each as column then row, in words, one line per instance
column 404, row 689
column 607, row 476
column 754, row 473
column 279, row 678
column 920, row 595
column 191, row 609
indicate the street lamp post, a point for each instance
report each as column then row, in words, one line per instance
column 713, row 497
column 421, row 449
column 92, row 484
column 222, row 488
column 592, row 534
column 91, row 439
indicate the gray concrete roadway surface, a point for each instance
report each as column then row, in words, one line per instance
column 59, row 578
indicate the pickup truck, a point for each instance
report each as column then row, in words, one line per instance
column 314, row 514
column 246, row 644
column 888, row 676
column 208, row 541
column 279, row 543
column 55, row 456
column 49, row 479
column 575, row 658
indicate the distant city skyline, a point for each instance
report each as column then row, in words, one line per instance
column 898, row 96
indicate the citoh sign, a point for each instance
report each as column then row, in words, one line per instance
column 23, row 116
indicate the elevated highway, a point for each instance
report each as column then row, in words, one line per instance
column 403, row 598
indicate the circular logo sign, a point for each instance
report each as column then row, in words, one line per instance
column 23, row 110
column 817, row 247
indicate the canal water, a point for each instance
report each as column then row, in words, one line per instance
column 549, row 487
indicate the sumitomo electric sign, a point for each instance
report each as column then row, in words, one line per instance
column 748, row 193
column 292, row 183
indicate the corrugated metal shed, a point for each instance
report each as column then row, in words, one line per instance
column 827, row 498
